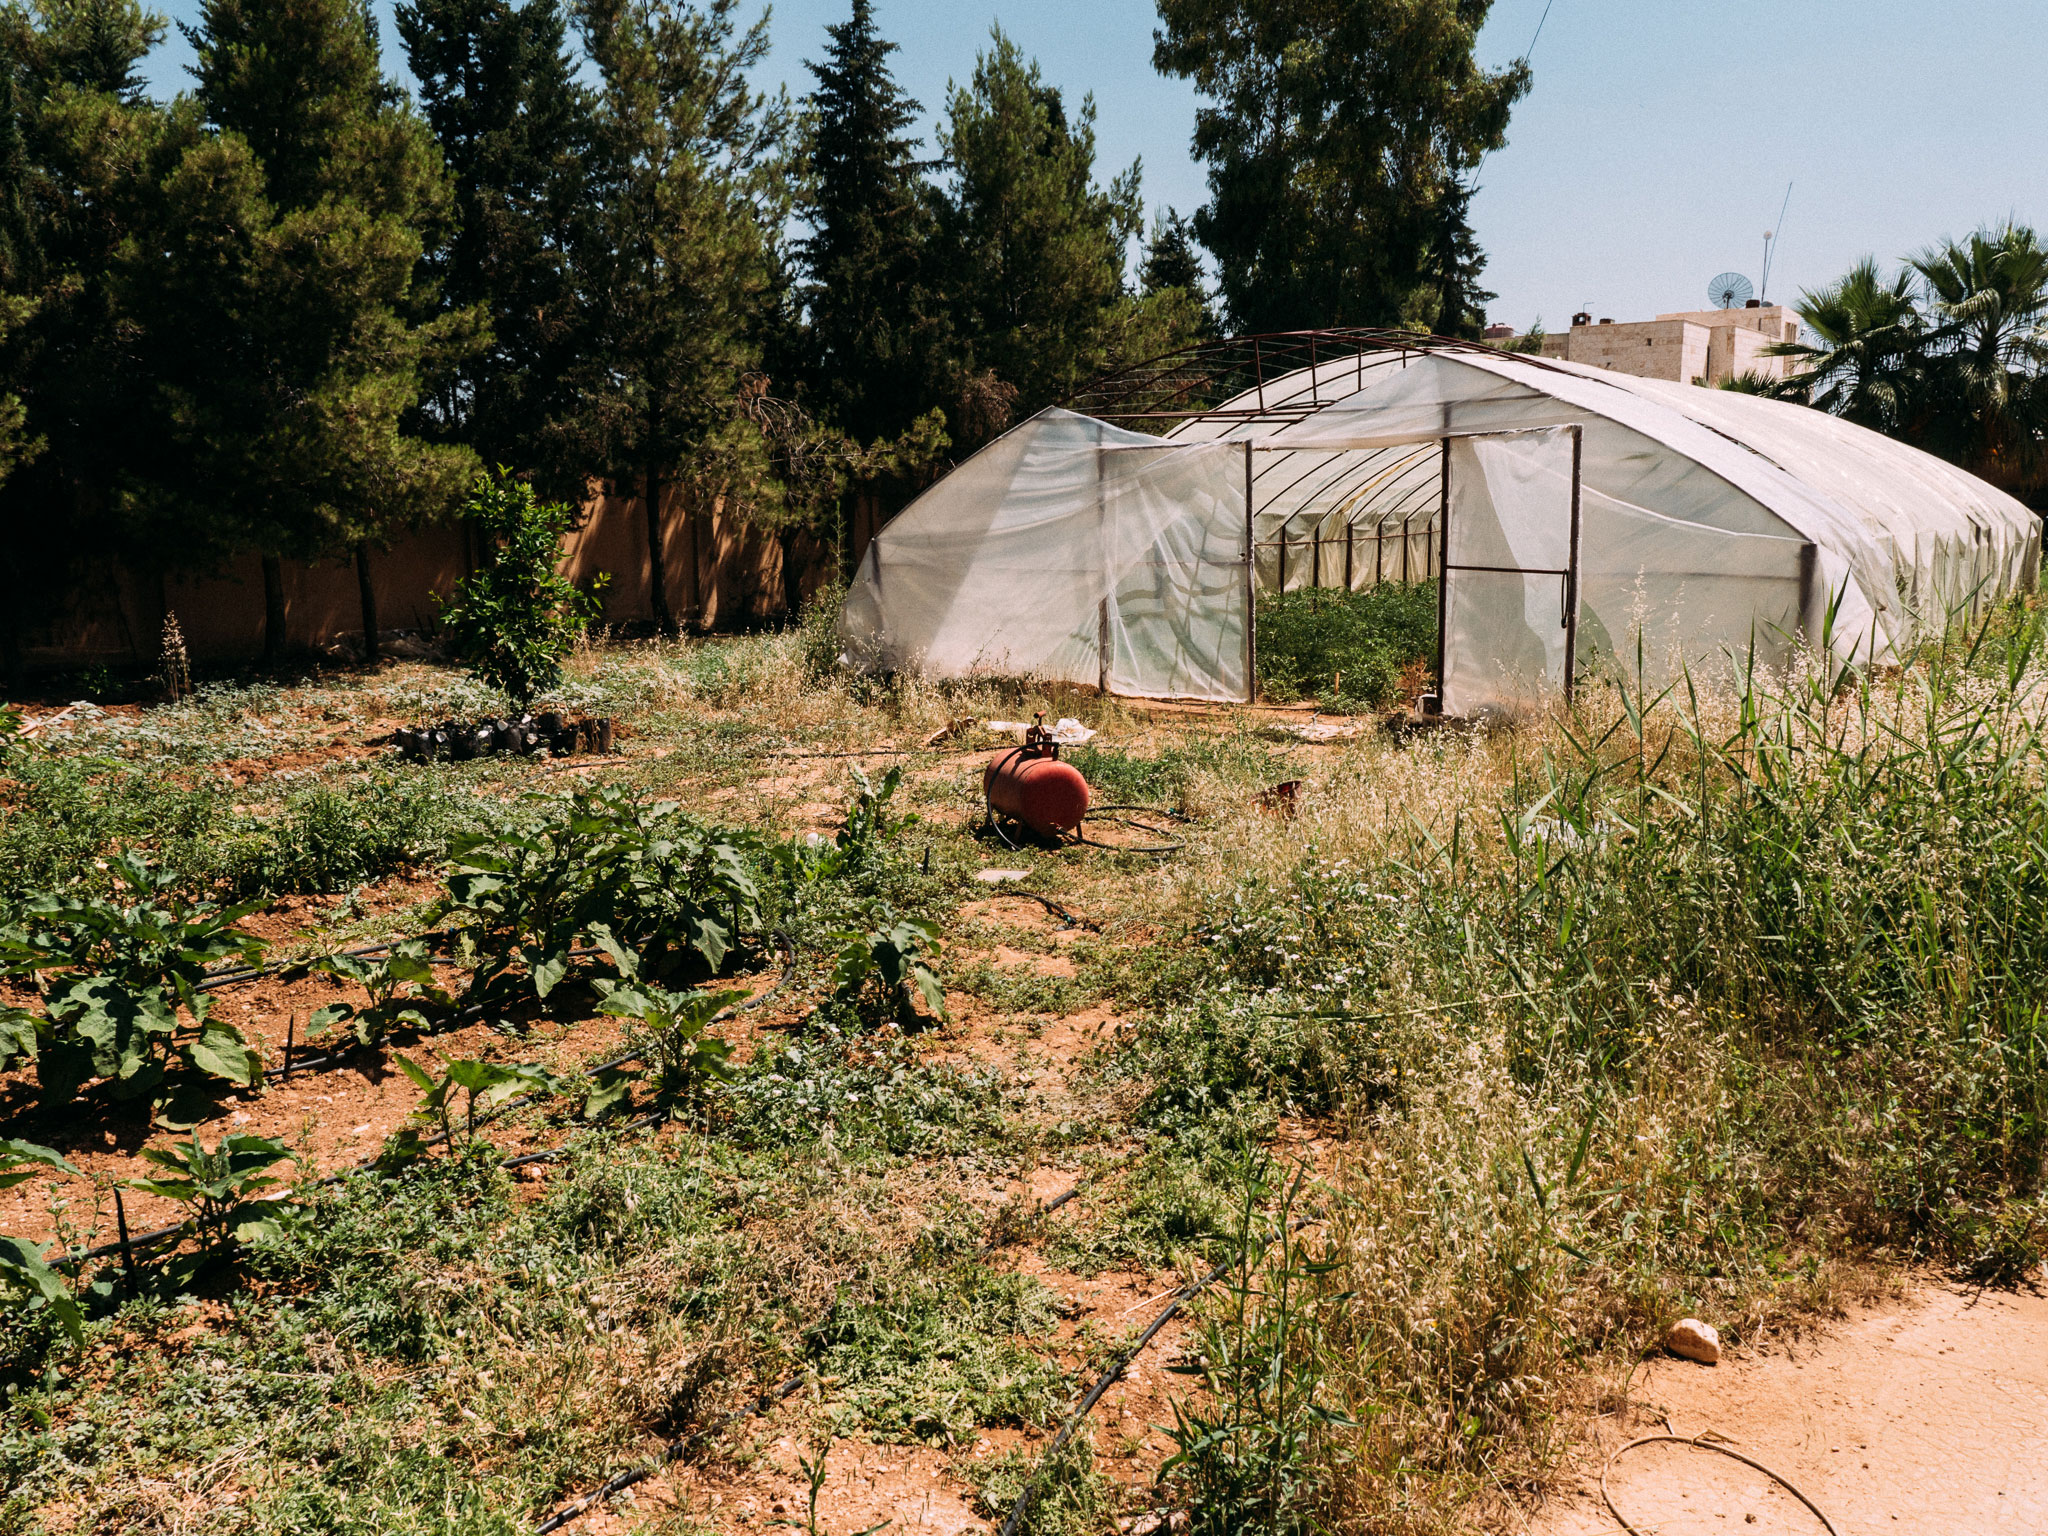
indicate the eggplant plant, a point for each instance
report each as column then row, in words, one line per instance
column 27, row 1284
column 604, row 872
column 482, row 1084
column 225, row 1189
column 402, row 987
column 120, row 987
column 682, row 1058
column 883, row 969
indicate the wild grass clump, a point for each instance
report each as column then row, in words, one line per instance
column 68, row 813
column 1347, row 650
column 1722, row 990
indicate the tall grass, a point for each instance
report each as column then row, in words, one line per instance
column 1715, row 992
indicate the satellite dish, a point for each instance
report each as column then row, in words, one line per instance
column 1731, row 290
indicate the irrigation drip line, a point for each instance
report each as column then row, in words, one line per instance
column 1181, row 1297
column 290, row 1067
column 1167, row 847
column 675, row 1449
column 1072, row 919
column 1698, row 1442
column 127, row 1245
column 243, row 973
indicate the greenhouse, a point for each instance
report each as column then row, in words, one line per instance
column 1570, row 518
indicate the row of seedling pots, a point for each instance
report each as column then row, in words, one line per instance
column 462, row 740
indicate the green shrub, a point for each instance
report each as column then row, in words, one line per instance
column 1347, row 650
column 516, row 617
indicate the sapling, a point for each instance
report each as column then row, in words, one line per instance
column 517, row 617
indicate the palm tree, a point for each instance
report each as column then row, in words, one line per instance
column 1990, row 294
column 1871, row 364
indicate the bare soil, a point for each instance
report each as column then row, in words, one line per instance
column 1926, row 1414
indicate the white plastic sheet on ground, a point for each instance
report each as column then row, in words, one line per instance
column 1714, row 526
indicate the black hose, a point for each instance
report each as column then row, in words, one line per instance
column 1170, row 847
column 1072, row 920
column 675, row 1449
column 1181, row 1297
column 243, row 973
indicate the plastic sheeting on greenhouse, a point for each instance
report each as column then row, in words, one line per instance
column 1573, row 518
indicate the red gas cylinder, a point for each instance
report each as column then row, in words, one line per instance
column 1031, row 785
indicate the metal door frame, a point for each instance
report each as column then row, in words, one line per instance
column 1569, row 602
column 1568, row 596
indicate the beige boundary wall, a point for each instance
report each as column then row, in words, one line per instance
column 722, row 574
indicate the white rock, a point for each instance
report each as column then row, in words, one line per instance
column 999, row 876
column 1694, row 1340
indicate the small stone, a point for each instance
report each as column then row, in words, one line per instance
column 1694, row 1340
column 999, row 876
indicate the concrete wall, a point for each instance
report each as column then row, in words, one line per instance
column 722, row 574
column 1648, row 349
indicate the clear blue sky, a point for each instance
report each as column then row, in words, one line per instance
column 1652, row 153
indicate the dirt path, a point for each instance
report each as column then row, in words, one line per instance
column 1927, row 1415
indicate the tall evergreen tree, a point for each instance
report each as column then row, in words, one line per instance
column 79, row 154
column 876, row 340
column 689, row 192
column 1034, row 248
column 285, row 340
column 1451, row 266
column 498, row 85
column 1337, row 135
column 1171, row 260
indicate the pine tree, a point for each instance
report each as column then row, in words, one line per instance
column 498, row 86
column 79, row 149
column 1453, row 265
column 1337, row 134
column 1171, row 260
column 876, row 343
column 688, row 192
column 1034, row 248
column 284, row 340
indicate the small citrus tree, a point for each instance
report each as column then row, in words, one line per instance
column 516, row 618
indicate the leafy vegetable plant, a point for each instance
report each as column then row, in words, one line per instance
column 119, row 983
column 870, row 825
column 225, row 1187
column 682, row 1058
column 880, row 970
column 642, row 883
column 391, row 1006
column 482, row 1085
column 27, row 1284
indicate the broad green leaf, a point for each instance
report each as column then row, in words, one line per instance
column 23, row 1271
column 14, row 1154
column 413, row 1070
column 221, row 1050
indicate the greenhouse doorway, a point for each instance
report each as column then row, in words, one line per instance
column 1508, row 583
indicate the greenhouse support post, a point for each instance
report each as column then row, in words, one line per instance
column 1443, row 578
column 1251, row 590
column 1571, row 610
column 1102, row 637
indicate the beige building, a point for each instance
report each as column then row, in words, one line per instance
column 1701, row 346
